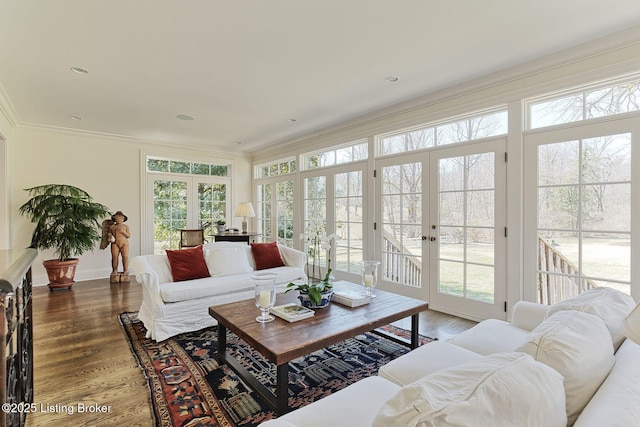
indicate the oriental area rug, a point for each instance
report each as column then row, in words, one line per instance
column 189, row 388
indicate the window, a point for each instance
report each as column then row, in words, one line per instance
column 349, row 223
column 280, row 167
column 315, row 214
column 584, row 215
column 598, row 101
column 338, row 155
column 183, row 195
column 174, row 166
column 276, row 207
column 275, row 200
column 469, row 128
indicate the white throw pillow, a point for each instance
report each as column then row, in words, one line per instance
column 225, row 261
column 499, row 390
column 578, row 346
column 610, row 305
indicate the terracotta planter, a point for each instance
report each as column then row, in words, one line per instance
column 61, row 273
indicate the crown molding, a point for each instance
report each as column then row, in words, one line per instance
column 7, row 109
column 125, row 138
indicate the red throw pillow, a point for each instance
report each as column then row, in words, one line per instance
column 266, row 255
column 187, row 264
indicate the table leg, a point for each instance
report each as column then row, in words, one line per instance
column 415, row 326
column 282, row 389
column 278, row 401
column 222, row 342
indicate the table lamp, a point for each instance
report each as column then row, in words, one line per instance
column 632, row 325
column 245, row 209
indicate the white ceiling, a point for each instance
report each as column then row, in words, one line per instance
column 243, row 68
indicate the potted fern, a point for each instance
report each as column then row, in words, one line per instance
column 67, row 220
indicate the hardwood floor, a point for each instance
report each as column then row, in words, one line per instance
column 82, row 357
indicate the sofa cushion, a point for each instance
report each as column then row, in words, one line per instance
column 227, row 260
column 490, row 336
column 222, row 285
column 266, row 255
column 187, row 264
column 616, row 403
column 425, row 360
column 610, row 305
column 578, row 346
column 352, row 406
column 503, row 389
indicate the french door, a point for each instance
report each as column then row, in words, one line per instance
column 441, row 234
column 182, row 203
column 581, row 215
column 334, row 198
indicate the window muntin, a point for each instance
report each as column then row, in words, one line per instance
column 587, row 104
column 279, row 167
column 349, row 228
column 584, row 215
column 284, row 211
column 337, row 155
column 472, row 127
column 264, row 211
column 315, row 210
column 182, row 167
column 466, row 216
column 170, row 213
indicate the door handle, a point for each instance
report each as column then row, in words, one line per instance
column 424, row 237
column 433, row 239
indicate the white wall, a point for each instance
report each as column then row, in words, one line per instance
column 107, row 168
column 6, row 134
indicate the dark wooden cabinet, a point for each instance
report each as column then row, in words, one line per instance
column 16, row 347
column 229, row 236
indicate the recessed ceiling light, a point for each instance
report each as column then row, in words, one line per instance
column 75, row 118
column 391, row 79
column 291, row 120
column 185, row 117
column 79, row 70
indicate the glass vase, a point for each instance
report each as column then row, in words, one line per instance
column 369, row 276
column 265, row 295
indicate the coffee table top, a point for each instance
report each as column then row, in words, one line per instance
column 281, row 341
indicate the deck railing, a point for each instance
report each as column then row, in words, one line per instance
column 397, row 266
column 558, row 278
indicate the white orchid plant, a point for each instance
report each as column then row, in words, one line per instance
column 316, row 242
column 218, row 217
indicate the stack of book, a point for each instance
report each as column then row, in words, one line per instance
column 292, row 312
column 350, row 298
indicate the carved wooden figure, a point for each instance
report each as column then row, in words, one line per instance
column 115, row 232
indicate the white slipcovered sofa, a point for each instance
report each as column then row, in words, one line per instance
column 171, row 307
column 568, row 364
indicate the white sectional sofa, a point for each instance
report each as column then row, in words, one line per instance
column 568, row 364
column 171, row 307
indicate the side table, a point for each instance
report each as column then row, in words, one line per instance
column 235, row 236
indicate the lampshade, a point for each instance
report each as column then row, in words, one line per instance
column 245, row 209
column 632, row 325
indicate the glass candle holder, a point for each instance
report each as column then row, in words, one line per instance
column 265, row 294
column 369, row 276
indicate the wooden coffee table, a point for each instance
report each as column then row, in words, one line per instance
column 280, row 341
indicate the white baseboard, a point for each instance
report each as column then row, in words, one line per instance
column 102, row 273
